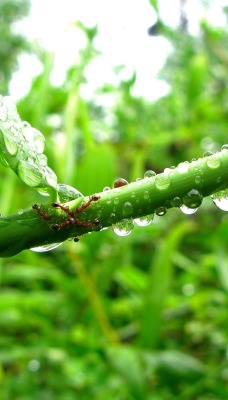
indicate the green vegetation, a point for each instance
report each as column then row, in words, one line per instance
column 136, row 317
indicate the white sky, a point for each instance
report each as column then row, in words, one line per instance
column 122, row 38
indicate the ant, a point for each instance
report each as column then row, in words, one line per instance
column 83, row 206
column 63, row 208
column 71, row 214
column 75, row 221
column 45, row 216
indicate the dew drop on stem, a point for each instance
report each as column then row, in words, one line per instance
column 160, row 211
column 192, row 199
column 187, row 210
column 127, row 208
column 149, row 174
column 221, row 199
column 162, row 181
column 124, row 227
column 119, row 182
column 144, row 221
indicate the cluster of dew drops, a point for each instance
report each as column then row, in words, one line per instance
column 22, row 148
column 188, row 204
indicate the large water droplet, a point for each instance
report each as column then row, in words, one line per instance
column 187, row 210
column 45, row 247
column 29, row 174
column 144, row 221
column 162, row 181
column 213, row 162
column 192, row 199
column 68, row 193
column 119, row 182
column 149, row 174
column 34, row 138
column 11, row 145
column 207, row 154
column 124, row 227
column 183, row 167
column 221, row 199
column 127, row 209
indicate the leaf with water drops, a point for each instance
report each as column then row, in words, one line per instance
column 21, row 148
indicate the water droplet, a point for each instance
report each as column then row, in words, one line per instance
column 144, row 221
column 187, row 210
column 192, row 199
column 224, row 147
column 213, row 162
column 146, row 195
column 176, row 202
column 183, row 167
column 106, row 189
column 45, row 247
column 116, row 200
column 119, row 182
column 162, row 181
column 198, row 179
column 124, row 227
column 127, row 208
column 112, row 217
column 149, row 173
column 29, row 174
column 67, row 193
column 221, row 199
column 139, row 181
column 160, row 211
column 207, row 154
column 34, row 138
column 11, row 144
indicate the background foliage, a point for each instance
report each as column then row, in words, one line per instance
column 141, row 317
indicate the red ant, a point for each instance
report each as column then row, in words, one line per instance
column 45, row 216
column 72, row 220
column 63, row 208
column 82, row 207
column 77, row 222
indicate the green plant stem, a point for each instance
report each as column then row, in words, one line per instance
column 28, row 229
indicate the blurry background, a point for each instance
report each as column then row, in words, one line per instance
column 117, row 89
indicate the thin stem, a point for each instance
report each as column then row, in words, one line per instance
column 28, row 229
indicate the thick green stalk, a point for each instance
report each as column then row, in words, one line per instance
column 201, row 178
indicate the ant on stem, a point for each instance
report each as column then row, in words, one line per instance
column 71, row 220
